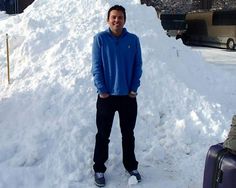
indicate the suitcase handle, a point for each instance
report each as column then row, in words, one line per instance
column 218, row 176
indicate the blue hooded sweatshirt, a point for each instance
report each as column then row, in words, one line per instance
column 116, row 62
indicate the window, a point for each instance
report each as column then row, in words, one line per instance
column 224, row 17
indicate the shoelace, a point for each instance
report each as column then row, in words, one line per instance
column 99, row 174
column 134, row 172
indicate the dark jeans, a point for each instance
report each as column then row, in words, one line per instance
column 106, row 108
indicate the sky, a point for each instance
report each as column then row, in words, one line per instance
column 47, row 113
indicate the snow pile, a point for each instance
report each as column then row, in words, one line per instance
column 132, row 181
column 47, row 114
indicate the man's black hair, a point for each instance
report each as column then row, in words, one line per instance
column 116, row 7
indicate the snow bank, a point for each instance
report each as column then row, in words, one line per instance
column 47, row 114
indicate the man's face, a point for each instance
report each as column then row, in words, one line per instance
column 116, row 21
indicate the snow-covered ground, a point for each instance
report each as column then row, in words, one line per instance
column 221, row 57
column 47, row 113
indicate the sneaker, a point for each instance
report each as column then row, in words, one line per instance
column 99, row 179
column 136, row 174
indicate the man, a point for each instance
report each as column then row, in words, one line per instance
column 117, row 68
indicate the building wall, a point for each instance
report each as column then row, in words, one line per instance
column 2, row 5
column 22, row 4
column 16, row 6
column 206, row 4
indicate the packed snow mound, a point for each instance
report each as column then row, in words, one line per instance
column 47, row 113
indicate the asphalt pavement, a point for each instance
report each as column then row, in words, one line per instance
column 226, row 59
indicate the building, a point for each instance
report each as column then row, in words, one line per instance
column 203, row 4
column 14, row 6
column 2, row 5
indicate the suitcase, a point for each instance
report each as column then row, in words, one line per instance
column 220, row 168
